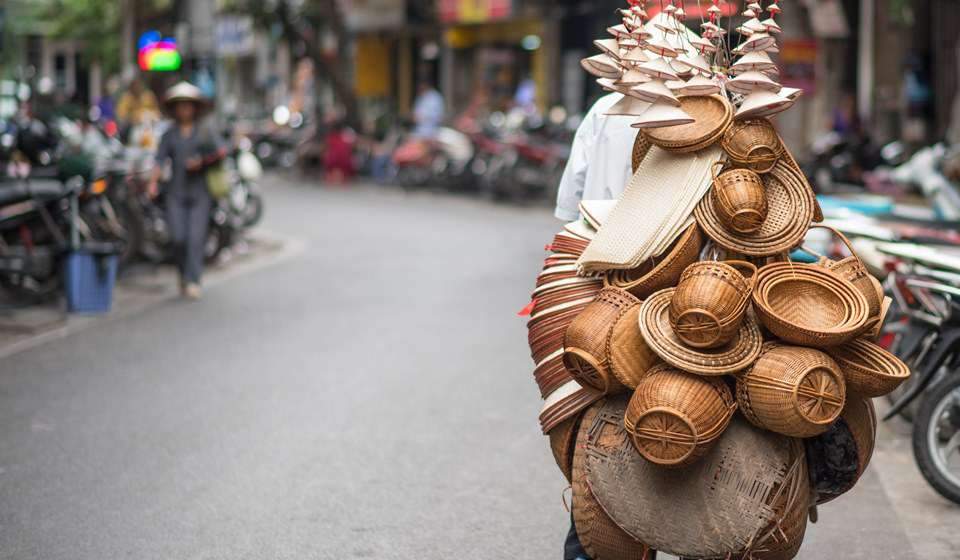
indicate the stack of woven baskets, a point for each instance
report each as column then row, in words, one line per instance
column 703, row 402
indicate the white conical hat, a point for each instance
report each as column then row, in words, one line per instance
column 699, row 85
column 635, row 55
column 758, row 42
column 627, row 42
column 703, row 45
column 609, row 46
column 658, row 67
column 755, row 25
column 695, row 62
column 628, row 106
column 751, row 81
column 749, row 13
column 608, row 84
column 771, row 25
column 790, row 93
column 602, row 66
column 632, row 77
column 774, row 9
column 618, row 30
column 655, row 91
column 757, row 60
column 714, row 10
column 755, row 6
column 662, row 114
column 660, row 46
column 762, row 103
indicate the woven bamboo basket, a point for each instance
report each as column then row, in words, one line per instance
column 586, row 342
column 791, row 390
column 563, row 439
column 564, row 403
column 868, row 369
column 808, row 304
column 674, row 417
column 662, row 271
column 840, row 456
column 754, row 144
column 712, row 115
column 746, row 498
column 600, row 537
column 628, row 354
column 708, row 306
column 640, row 148
column 740, row 200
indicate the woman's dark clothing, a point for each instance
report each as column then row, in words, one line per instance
column 187, row 198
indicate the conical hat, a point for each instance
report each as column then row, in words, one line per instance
column 658, row 67
column 632, row 77
column 601, row 65
column 774, row 9
column 655, row 91
column 662, row 114
column 628, row 106
column 618, row 30
column 627, row 42
column 695, row 62
column 755, row 6
column 703, row 45
column 758, row 60
column 771, row 25
column 755, row 25
column 762, row 103
column 636, row 54
column 758, row 42
column 609, row 46
column 751, row 81
column 790, row 93
column 660, row 46
column 699, row 85
column 749, row 13
column 612, row 85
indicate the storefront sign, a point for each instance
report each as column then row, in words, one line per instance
column 234, row 35
column 798, row 64
column 373, row 15
column 474, row 11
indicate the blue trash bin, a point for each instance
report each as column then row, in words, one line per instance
column 89, row 276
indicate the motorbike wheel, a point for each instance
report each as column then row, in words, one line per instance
column 936, row 438
column 252, row 212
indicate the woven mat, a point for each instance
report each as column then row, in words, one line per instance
column 654, row 209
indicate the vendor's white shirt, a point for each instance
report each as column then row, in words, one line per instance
column 599, row 167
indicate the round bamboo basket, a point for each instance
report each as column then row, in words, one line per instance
column 754, row 144
column 586, row 342
column 791, row 390
column 840, row 456
column 600, row 537
column 740, row 200
column 662, row 271
column 712, row 115
column 709, row 303
column 628, row 354
column 674, row 417
column 808, row 304
column 868, row 369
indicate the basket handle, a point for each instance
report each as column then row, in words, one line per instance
column 839, row 235
column 738, row 265
column 713, row 168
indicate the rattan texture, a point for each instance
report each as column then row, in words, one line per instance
column 712, row 115
column 587, row 341
column 748, row 494
column 740, row 200
column 869, row 369
column 734, row 356
column 674, row 417
column 753, row 143
column 792, row 390
column 566, row 402
column 808, row 305
column 628, row 354
column 840, row 456
column 661, row 271
column 710, row 301
column 601, row 538
column 640, row 148
column 563, row 438
column 854, row 271
column 790, row 210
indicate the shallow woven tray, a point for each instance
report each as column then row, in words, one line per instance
column 738, row 354
column 712, row 115
column 750, row 492
column 790, row 210
column 869, row 370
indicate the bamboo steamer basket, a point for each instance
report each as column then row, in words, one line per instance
column 839, row 457
column 791, row 390
column 586, row 342
column 662, row 271
column 808, row 305
column 754, row 144
column 600, row 537
column 746, row 498
column 674, row 417
column 740, row 200
column 869, row 369
column 709, row 304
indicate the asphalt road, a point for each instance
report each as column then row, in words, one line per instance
column 368, row 397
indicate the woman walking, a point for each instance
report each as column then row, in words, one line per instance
column 190, row 149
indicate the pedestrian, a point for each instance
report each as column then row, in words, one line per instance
column 137, row 105
column 190, row 149
column 599, row 168
column 429, row 110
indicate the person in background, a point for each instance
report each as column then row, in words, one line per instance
column 190, row 149
column 339, row 143
column 599, row 168
column 137, row 104
column 428, row 110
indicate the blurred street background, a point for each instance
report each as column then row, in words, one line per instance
column 355, row 381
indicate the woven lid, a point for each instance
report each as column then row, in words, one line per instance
column 790, row 210
column 720, row 506
column 734, row 356
column 711, row 115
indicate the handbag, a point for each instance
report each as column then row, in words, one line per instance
column 218, row 184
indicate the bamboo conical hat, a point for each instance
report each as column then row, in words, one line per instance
column 662, row 114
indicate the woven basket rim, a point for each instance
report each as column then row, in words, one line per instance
column 735, row 356
column 710, row 122
column 683, row 242
column 851, row 355
column 678, row 415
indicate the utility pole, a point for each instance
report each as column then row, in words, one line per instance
column 128, row 43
